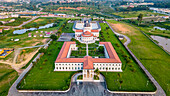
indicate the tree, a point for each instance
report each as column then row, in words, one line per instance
column 120, row 81
column 97, row 71
column 42, row 50
column 59, row 32
column 95, row 50
column 53, row 37
column 140, row 18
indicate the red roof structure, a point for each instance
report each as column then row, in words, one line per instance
column 79, row 30
column 87, row 60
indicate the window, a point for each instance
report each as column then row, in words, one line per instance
column 63, row 67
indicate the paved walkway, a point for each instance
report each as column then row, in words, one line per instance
column 160, row 91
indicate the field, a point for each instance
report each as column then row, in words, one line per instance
column 17, row 22
column 24, row 41
column 41, row 21
column 7, row 77
column 148, row 27
column 151, row 56
column 71, row 9
column 133, row 77
column 42, row 75
column 135, row 14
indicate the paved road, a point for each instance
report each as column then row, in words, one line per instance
column 160, row 91
column 24, row 23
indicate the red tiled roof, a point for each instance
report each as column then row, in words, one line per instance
column 94, row 30
column 79, row 30
column 88, row 64
column 87, row 33
column 87, row 60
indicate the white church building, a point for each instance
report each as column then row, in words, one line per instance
column 86, row 31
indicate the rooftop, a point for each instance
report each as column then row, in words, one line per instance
column 87, row 60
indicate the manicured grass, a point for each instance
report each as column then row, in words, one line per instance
column 7, row 78
column 135, row 14
column 17, row 22
column 152, row 57
column 133, row 77
column 43, row 77
column 68, row 28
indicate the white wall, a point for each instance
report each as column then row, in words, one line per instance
column 112, row 67
column 68, row 66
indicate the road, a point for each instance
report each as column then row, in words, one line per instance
column 160, row 91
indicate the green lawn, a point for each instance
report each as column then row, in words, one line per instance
column 68, row 28
column 151, row 56
column 133, row 77
column 135, row 14
column 7, row 78
column 43, row 77
column 17, row 22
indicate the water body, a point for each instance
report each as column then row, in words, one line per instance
column 156, row 27
column 164, row 42
column 22, row 31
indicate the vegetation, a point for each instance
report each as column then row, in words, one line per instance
column 43, row 77
column 41, row 21
column 97, row 52
column 80, row 77
column 152, row 57
column 96, row 77
column 133, row 78
column 24, row 41
column 53, row 37
column 7, row 78
column 148, row 27
column 17, row 22
column 135, row 14
column 68, row 28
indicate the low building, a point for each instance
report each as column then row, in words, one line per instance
column 110, row 63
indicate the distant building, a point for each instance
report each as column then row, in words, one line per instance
column 1, row 30
column 86, row 31
column 15, row 15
